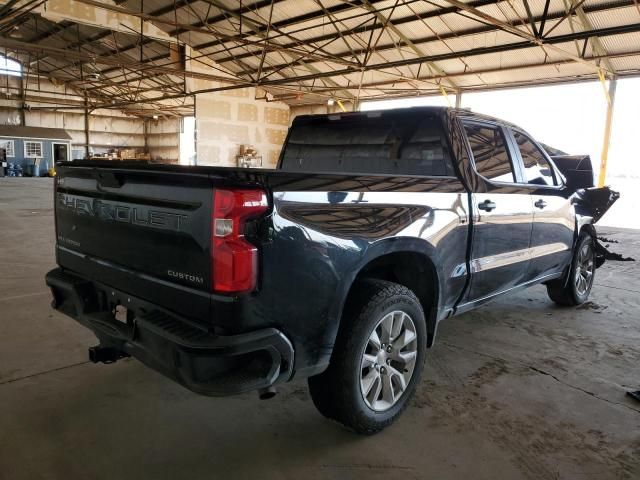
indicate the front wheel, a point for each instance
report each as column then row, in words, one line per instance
column 377, row 360
column 574, row 289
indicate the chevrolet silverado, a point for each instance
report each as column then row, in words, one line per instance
column 337, row 266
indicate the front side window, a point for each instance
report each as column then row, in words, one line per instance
column 489, row 151
column 33, row 149
column 8, row 147
column 536, row 167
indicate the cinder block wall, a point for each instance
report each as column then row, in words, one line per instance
column 225, row 120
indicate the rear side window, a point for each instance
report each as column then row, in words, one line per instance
column 490, row 153
column 385, row 143
column 536, row 167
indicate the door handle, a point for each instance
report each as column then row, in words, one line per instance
column 487, row 205
column 540, row 204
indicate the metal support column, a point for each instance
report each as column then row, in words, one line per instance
column 611, row 97
column 23, row 102
column 145, row 125
column 86, row 127
column 458, row 98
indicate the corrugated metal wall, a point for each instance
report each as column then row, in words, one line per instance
column 107, row 128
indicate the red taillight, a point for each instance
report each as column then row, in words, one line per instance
column 234, row 261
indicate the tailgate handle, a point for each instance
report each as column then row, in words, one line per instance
column 108, row 179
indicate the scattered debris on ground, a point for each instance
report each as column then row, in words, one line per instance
column 607, row 240
column 589, row 305
column 603, row 253
column 617, row 257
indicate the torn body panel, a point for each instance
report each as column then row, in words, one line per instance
column 590, row 205
column 577, row 170
column 594, row 202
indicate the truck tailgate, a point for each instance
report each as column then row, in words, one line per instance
column 146, row 231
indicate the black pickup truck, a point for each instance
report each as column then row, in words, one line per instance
column 337, row 266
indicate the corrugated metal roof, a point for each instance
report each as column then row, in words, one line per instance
column 334, row 47
column 40, row 133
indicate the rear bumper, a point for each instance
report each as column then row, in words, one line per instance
column 202, row 361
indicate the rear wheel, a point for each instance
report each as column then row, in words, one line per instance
column 574, row 289
column 377, row 361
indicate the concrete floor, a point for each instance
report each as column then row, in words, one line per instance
column 518, row 389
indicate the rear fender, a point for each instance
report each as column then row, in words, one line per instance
column 374, row 251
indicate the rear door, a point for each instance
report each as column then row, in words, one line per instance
column 553, row 214
column 503, row 214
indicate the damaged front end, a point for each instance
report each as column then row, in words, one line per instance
column 590, row 202
column 590, row 205
column 594, row 202
column 577, row 170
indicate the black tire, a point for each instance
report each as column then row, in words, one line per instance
column 337, row 392
column 568, row 291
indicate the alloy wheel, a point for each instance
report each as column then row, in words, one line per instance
column 388, row 361
column 584, row 269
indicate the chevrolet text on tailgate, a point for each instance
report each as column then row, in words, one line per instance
column 336, row 267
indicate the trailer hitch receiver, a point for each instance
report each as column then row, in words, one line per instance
column 100, row 354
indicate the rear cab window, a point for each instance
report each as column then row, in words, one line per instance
column 490, row 152
column 393, row 143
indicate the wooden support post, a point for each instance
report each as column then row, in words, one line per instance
column 611, row 97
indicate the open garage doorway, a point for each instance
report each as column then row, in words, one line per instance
column 188, row 141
